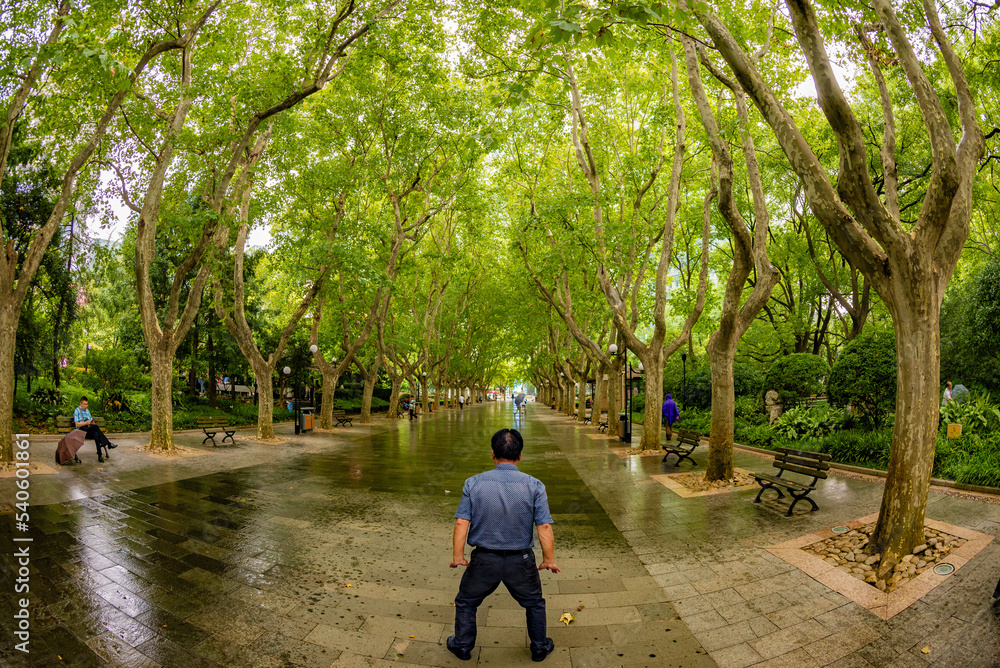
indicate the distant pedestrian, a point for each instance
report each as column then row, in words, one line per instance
column 461, row 401
column 496, row 515
column 670, row 416
column 83, row 420
column 947, row 394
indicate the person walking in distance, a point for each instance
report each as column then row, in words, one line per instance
column 670, row 416
column 496, row 515
column 461, row 401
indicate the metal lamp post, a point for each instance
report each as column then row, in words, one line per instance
column 684, row 376
column 287, row 371
column 626, row 436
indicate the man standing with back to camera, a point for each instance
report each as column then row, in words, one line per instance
column 496, row 514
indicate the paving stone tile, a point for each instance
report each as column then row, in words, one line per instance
column 787, row 639
column 843, row 643
column 516, row 657
column 726, row 636
column 339, row 639
column 797, row 658
column 735, row 656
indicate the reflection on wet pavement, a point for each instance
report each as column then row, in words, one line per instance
column 335, row 557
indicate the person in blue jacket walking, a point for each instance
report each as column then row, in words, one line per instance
column 670, row 416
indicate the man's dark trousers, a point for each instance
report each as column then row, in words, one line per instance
column 94, row 433
column 516, row 569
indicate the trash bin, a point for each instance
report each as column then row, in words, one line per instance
column 306, row 419
column 624, row 428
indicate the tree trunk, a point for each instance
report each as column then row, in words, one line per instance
column 653, row 413
column 397, row 386
column 265, row 406
column 600, row 393
column 212, row 390
column 900, row 525
column 8, row 342
column 326, row 406
column 366, row 398
column 614, row 392
column 721, row 353
column 161, row 361
column 193, row 372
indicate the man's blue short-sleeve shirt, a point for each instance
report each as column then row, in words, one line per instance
column 503, row 506
column 81, row 415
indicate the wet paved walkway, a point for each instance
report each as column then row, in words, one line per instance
column 335, row 553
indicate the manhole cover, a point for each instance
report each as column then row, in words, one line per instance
column 944, row 569
column 841, row 529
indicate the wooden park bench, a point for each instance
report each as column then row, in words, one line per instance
column 687, row 441
column 342, row 418
column 810, row 464
column 65, row 425
column 602, row 422
column 212, row 426
column 587, row 418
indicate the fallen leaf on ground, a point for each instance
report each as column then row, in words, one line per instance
column 579, row 607
column 566, row 618
column 413, row 636
column 926, row 650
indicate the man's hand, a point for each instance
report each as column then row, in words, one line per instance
column 459, row 561
column 548, row 566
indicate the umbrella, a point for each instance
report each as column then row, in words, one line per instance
column 69, row 445
column 960, row 393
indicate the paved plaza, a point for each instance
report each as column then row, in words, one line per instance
column 333, row 550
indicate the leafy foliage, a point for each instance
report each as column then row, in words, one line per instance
column 48, row 396
column 977, row 413
column 864, row 377
column 806, row 422
column 796, row 376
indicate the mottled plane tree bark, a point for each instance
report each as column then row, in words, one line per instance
column 624, row 307
column 909, row 267
column 749, row 255
column 165, row 330
column 16, row 274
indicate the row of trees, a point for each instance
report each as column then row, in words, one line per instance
column 458, row 197
column 873, row 191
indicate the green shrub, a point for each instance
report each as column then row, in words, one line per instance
column 113, row 401
column 977, row 413
column 749, row 409
column 796, row 376
column 639, row 402
column 761, row 435
column 804, row 422
column 864, row 377
column 860, row 447
column 748, row 381
column 112, row 369
column 48, row 396
column 695, row 420
column 972, row 459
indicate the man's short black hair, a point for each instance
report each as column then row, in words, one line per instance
column 82, row 399
column 507, row 444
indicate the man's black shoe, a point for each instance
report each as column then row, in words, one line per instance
column 112, row 445
column 100, row 460
column 460, row 652
column 540, row 654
